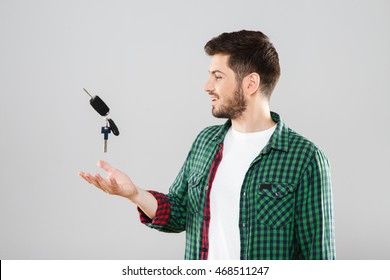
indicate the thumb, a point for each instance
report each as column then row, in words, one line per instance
column 105, row 166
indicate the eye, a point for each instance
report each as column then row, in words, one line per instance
column 217, row 77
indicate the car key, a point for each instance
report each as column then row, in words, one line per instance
column 98, row 104
column 106, row 130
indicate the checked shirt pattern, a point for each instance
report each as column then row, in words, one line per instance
column 286, row 208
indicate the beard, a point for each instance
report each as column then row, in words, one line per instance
column 233, row 107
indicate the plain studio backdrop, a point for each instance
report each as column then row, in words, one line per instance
column 146, row 61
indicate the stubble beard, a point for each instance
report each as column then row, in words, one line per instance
column 233, row 107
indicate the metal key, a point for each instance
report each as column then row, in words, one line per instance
column 106, row 130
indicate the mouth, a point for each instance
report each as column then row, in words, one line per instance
column 213, row 99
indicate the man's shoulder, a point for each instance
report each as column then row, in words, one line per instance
column 210, row 131
column 287, row 139
column 302, row 145
column 208, row 135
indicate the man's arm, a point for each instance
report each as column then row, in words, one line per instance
column 118, row 183
column 314, row 211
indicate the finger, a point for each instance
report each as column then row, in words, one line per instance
column 92, row 180
column 105, row 166
column 102, row 183
column 114, row 186
column 85, row 177
column 113, row 181
column 110, row 185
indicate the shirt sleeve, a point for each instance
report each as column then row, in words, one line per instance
column 314, row 211
column 162, row 213
column 172, row 207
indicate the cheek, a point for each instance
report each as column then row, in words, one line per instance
column 222, row 88
column 225, row 91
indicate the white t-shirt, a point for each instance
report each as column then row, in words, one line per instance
column 239, row 150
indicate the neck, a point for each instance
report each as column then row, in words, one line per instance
column 256, row 118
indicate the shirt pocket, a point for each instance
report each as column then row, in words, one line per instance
column 196, row 183
column 275, row 204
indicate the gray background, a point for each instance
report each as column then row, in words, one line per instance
column 146, row 60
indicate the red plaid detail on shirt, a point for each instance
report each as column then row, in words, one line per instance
column 162, row 213
column 206, row 213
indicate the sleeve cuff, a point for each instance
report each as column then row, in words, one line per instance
column 162, row 213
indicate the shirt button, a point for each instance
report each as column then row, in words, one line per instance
column 277, row 194
column 244, row 225
column 244, row 194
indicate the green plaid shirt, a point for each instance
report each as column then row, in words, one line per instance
column 286, row 209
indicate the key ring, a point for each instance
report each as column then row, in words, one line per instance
column 98, row 104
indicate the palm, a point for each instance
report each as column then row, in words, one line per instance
column 116, row 182
column 125, row 186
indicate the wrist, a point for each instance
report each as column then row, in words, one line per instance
column 136, row 196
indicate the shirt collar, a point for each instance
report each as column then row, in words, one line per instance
column 278, row 140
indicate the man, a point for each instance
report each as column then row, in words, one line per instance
column 251, row 188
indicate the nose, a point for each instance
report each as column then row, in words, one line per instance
column 208, row 86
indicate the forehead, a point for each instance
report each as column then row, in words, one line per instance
column 219, row 62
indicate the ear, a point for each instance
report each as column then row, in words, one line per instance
column 252, row 83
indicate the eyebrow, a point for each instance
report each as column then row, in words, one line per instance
column 216, row 71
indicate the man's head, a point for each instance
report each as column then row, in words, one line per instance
column 248, row 52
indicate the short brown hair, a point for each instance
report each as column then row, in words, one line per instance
column 249, row 51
